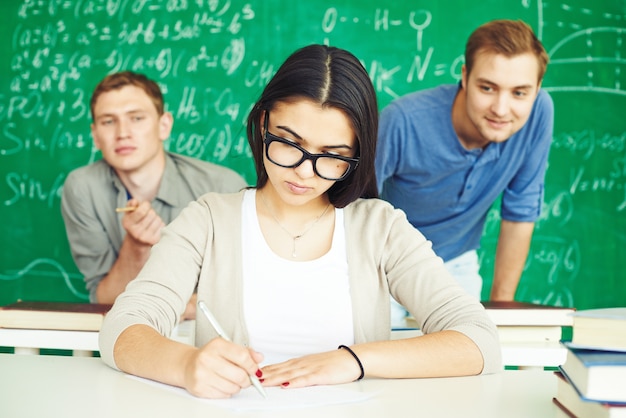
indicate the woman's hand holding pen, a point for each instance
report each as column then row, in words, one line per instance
column 220, row 369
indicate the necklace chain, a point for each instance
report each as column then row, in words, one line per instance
column 293, row 237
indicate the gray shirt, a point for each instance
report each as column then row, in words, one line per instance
column 91, row 194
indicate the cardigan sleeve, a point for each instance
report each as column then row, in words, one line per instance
column 415, row 276
column 158, row 296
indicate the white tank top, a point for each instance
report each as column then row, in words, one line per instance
column 294, row 308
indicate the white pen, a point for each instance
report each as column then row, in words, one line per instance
column 253, row 379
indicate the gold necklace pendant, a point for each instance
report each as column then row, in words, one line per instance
column 293, row 251
column 294, row 254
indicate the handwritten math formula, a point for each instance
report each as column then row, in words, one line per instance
column 212, row 58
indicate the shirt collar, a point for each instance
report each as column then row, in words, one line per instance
column 168, row 189
column 167, row 192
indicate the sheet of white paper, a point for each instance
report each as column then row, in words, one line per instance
column 277, row 398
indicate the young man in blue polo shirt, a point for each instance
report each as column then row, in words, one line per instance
column 445, row 154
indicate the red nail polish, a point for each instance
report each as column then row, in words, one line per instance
column 261, row 380
column 259, row 373
column 285, row 384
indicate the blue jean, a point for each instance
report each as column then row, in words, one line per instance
column 465, row 269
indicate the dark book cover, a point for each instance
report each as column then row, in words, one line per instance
column 95, row 308
column 53, row 315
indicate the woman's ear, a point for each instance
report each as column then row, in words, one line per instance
column 264, row 118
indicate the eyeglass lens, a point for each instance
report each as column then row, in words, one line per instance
column 288, row 155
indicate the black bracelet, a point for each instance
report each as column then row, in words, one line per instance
column 356, row 358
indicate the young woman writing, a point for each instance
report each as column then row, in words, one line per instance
column 301, row 264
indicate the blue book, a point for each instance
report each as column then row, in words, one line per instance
column 597, row 375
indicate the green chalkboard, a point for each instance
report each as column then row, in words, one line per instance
column 212, row 58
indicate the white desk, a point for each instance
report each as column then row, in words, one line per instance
column 56, row 386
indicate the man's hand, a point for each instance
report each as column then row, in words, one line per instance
column 143, row 229
column 143, row 224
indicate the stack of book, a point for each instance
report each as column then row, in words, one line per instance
column 53, row 315
column 528, row 322
column 592, row 381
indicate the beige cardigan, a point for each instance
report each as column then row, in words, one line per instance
column 386, row 255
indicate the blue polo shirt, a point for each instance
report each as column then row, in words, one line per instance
column 446, row 190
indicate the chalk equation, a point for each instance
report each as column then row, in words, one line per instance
column 24, row 186
column 550, row 271
column 596, row 164
column 212, row 58
column 48, row 269
column 589, row 53
column 586, row 143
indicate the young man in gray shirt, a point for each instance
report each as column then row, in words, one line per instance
column 136, row 173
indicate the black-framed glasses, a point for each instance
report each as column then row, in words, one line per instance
column 286, row 153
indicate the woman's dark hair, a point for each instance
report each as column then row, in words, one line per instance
column 333, row 78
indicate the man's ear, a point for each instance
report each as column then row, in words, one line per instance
column 464, row 77
column 96, row 141
column 166, row 122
